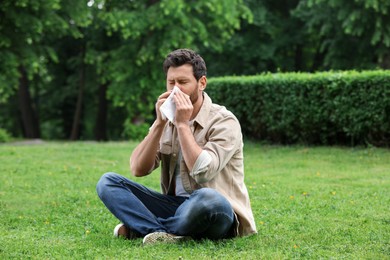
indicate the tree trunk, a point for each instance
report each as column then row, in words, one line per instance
column 318, row 60
column 101, row 118
column 298, row 57
column 80, row 99
column 29, row 118
column 385, row 63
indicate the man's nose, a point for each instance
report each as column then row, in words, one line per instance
column 179, row 86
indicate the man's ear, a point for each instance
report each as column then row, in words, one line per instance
column 203, row 82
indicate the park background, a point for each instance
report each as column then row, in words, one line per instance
column 92, row 70
column 308, row 79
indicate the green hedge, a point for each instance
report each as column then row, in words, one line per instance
column 347, row 108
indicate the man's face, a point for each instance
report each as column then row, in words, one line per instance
column 183, row 77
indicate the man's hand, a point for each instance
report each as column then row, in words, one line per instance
column 184, row 108
column 161, row 99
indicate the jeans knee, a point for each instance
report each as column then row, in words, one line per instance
column 104, row 181
column 206, row 193
column 211, row 200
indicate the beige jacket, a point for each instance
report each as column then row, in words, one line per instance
column 217, row 131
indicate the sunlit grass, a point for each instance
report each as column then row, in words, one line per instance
column 308, row 202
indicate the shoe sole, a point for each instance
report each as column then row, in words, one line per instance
column 163, row 238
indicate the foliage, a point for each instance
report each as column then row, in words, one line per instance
column 273, row 41
column 310, row 203
column 312, row 35
column 4, row 136
column 135, row 131
column 96, row 65
column 322, row 108
column 352, row 33
column 27, row 32
column 72, row 49
column 147, row 31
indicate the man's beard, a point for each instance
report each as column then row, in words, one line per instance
column 194, row 96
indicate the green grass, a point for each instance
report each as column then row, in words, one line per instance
column 308, row 202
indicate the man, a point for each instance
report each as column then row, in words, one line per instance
column 202, row 171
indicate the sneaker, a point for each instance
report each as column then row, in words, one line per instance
column 162, row 237
column 122, row 231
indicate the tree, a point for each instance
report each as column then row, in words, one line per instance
column 307, row 36
column 147, row 31
column 28, row 28
column 80, row 70
column 61, row 54
column 275, row 40
column 351, row 34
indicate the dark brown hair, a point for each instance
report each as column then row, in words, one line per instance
column 186, row 56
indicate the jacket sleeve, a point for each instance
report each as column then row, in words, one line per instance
column 224, row 140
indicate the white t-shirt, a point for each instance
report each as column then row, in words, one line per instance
column 202, row 161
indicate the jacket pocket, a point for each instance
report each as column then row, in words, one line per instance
column 166, row 143
column 165, row 148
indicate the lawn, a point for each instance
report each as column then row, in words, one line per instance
column 308, row 202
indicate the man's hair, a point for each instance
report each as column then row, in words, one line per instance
column 185, row 56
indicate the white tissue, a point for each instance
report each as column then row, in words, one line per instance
column 168, row 108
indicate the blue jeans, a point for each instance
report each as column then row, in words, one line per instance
column 205, row 214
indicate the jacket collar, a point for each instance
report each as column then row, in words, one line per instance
column 203, row 115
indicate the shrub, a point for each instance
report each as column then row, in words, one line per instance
column 320, row 108
column 135, row 131
column 4, row 136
